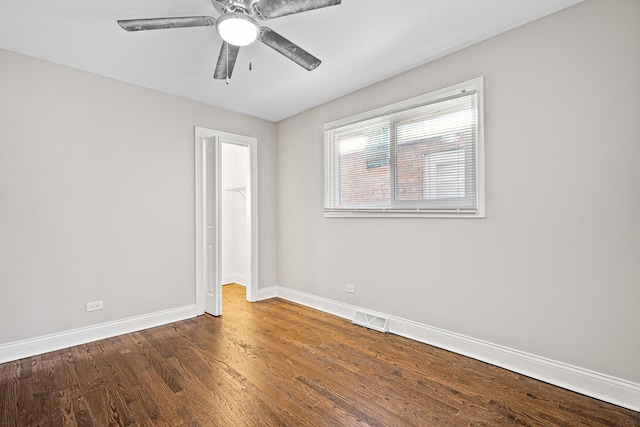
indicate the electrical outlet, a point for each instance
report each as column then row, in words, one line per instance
column 93, row 306
column 350, row 288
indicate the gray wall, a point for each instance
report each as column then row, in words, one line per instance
column 97, row 197
column 554, row 269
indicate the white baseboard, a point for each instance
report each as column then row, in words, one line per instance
column 44, row 344
column 594, row 384
column 266, row 293
column 240, row 279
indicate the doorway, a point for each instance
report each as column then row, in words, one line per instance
column 210, row 148
column 235, row 218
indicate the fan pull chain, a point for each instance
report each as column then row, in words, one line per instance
column 250, row 56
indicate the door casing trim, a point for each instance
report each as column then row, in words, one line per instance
column 200, row 135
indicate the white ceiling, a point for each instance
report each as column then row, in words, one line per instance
column 360, row 42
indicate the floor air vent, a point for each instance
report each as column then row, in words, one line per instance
column 370, row 321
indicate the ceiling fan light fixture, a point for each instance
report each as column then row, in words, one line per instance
column 237, row 29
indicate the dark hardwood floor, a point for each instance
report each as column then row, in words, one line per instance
column 275, row 363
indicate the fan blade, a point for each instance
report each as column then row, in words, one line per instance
column 269, row 9
column 288, row 49
column 226, row 61
column 162, row 23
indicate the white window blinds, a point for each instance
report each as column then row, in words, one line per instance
column 416, row 159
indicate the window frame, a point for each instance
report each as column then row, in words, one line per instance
column 388, row 113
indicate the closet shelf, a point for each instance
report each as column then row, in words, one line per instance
column 240, row 190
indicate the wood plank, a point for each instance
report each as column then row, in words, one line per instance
column 276, row 363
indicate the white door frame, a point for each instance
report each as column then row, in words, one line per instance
column 208, row 194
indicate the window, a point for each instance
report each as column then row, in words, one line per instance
column 420, row 157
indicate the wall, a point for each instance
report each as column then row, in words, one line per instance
column 97, row 197
column 236, row 266
column 554, row 269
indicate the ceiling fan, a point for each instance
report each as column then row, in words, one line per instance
column 238, row 27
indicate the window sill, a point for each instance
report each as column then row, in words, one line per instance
column 400, row 214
